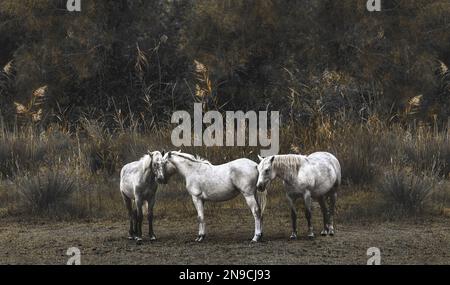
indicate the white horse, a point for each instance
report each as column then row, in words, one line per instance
column 207, row 182
column 138, row 184
column 315, row 176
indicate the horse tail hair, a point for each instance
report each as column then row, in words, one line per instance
column 261, row 199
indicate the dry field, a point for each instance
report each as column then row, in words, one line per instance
column 229, row 233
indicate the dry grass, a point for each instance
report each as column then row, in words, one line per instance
column 92, row 156
column 406, row 193
column 48, row 193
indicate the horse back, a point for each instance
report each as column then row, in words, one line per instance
column 328, row 161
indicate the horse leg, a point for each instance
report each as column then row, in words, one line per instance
column 308, row 213
column 253, row 205
column 135, row 228
column 129, row 206
column 151, row 204
column 291, row 200
column 198, row 203
column 333, row 198
column 139, row 218
column 324, row 209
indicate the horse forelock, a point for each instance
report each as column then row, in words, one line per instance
column 287, row 163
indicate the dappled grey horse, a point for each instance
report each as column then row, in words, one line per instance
column 138, row 185
column 314, row 176
column 207, row 182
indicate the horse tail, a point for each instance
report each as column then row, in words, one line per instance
column 261, row 198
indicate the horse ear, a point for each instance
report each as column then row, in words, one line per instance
column 260, row 158
column 163, row 152
column 272, row 158
column 169, row 154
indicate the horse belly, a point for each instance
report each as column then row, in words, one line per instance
column 219, row 193
column 320, row 191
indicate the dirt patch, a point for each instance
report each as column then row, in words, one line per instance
column 104, row 242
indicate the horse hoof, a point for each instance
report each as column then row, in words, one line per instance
column 131, row 238
column 324, row 232
column 138, row 241
column 293, row 236
column 152, row 238
column 200, row 238
column 311, row 235
column 331, row 232
column 257, row 238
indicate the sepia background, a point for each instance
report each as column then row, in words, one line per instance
column 83, row 93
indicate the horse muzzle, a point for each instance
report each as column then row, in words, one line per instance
column 161, row 180
column 260, row 187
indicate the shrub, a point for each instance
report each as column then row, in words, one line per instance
column 357, row 156
column 46, row 193
column 406, row 193
column 6, row 159
column 99, row 152
column 429, row 150
column 20, row 152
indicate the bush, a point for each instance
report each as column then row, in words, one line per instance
column 429, row 150
column 406, row 193
column 99, row 152
column 6, row 159
column 357, row 156
column 357, row 167
column 46, row 193
column 18, row 153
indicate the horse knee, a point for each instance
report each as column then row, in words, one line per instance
column 257, row 212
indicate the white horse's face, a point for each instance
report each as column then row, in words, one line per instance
column 266, row 173
column 163, row 168
column 156, row 166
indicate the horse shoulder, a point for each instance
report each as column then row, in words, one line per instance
column 193, row 188
column 244, row 165
column 244, row 169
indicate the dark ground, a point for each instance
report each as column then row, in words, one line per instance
column 104, row 242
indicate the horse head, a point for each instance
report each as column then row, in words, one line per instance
column 266, row 173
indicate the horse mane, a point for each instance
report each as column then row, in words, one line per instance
column 192, row 158
column 146, row 162
column 289, row 163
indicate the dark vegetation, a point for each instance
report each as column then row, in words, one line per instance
column 83, row 93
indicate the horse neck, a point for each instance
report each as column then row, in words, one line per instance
column 186, row 167
column 287, row 174
column 147, row 169
column 148, row 173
